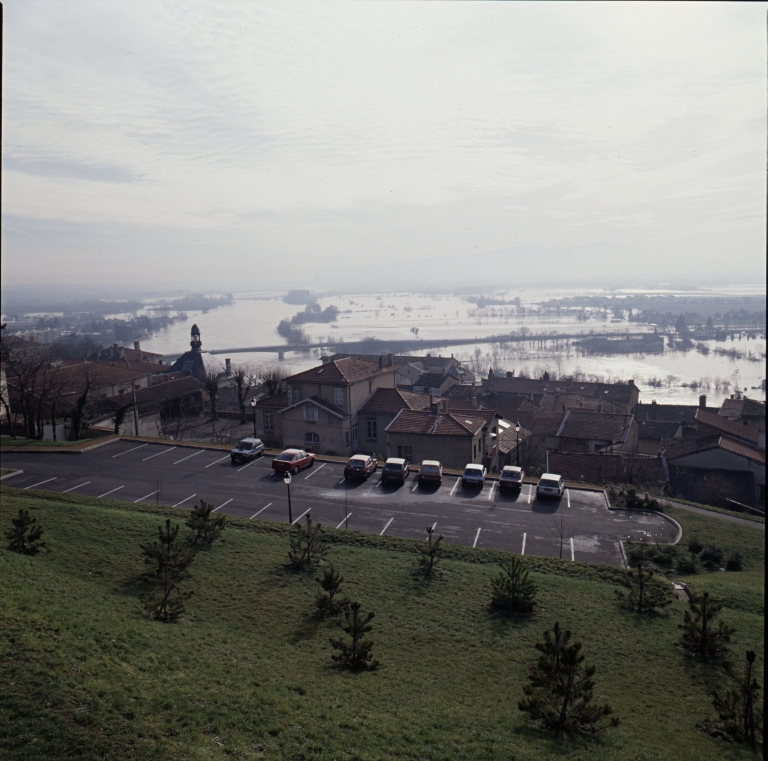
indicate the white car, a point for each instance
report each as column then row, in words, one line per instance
column 474, row 475
column 247, row 449
column 550, row 485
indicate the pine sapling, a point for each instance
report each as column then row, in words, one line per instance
column 308, row 545
column 206, row 525
column 25, row 535
column 329, row 601
column 700, row 636
column 431, row 552
column 355, row 652
column 513, row 591
column 642, row 594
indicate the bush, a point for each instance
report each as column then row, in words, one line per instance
column 687, row 566
column 712, row 556
column 694, row 545
column 735, row 561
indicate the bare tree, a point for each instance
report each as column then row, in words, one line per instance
column 273, row 378
column 245, row 379
column 211, row 383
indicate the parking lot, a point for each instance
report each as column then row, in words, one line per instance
column 579, row 527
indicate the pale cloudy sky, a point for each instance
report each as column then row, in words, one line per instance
column 290, row 144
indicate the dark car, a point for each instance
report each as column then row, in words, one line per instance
column 431, row 472
column 395, row 469
column 247, row 449
column 292, row 461
column 360, row 466
column 511, row 478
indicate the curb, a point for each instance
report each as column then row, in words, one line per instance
column 11, row 475
column 654, row 512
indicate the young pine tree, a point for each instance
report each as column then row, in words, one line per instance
column 170, row 558
column 206, row 526
column 308, row 545
column 25, row 536
column 559, row 693
column 355, row 652
column 642, row 594
column 513, row 591
column 700, row 636
column 738, row 708
column 329, row 601
column 431, row 552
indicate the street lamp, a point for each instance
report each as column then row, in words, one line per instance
column 253, row 406
column 517, row 431
column 287, row 479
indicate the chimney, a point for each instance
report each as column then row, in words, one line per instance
column 473, row 397
column 432, row 405
column 703, row 401
column 381, row 363
column 510, row 374
column 444, row 406
column 325, row 359
column 228, row 363
column 137, row 345
column 490, row 374
column 390, row 360
column 631, row 382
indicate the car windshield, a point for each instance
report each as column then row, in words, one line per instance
column 245, row 445
column 285, row 456
column 393, row 466
column 473, row 472
column 549, row 484
column 513, row 474
column 356, row 464
column 431, row 469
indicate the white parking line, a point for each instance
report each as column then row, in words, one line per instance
column 434, row 525
column 215, row 461
column 302, row 515
column 386, row 527
column 572, row 557
column 477, row 536
column 223, row 504
column 194, row 454
column 349, row 515
column 40, row 483
column 159, row 453
column 111, row 492
column 522, row 552
column 260, row 511
column 185, row 500
column 568, row 494
column 530, row 491
column 246, row 466
column 415, row 484
column 342, row 481
column 493, row 485
column 76, row 487
column 129, row 450
column 453, row 491
column 316, row 470
column 378, row 483
column 145, row 496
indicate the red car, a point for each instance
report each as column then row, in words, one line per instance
column 292, row 461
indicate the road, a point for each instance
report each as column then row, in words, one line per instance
column 180, row 476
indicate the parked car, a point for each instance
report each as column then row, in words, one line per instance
column 431, row 472
column 550, row 485
column 474, row 475
column 246, row 450
column 360, row 466
column 511, row 478
column 292, row 461
column 395, row 469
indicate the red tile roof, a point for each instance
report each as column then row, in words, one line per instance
column 422, row 422
column 715, row 442
column 341, row 371
column 728, row 427
column 389, row 401
column 607, row 468
column 594, row 425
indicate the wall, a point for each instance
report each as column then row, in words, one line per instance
column 328, row 427
column 451, row 451
column 719, row 458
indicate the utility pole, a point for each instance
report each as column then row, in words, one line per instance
column 135, row 409
column 287, row 479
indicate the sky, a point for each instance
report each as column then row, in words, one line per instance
column 275, row 145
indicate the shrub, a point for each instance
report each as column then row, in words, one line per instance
column 694, row 545
column 25, row 536
column 512, row 590
column 711, row 556
column 735, row 561
column 355, row 652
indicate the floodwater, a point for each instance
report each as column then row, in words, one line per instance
column 671, row 377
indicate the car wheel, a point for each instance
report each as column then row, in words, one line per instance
column 295, row 470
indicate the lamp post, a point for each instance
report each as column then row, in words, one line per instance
column 517, row 448
column 287, row 479
column 253, row 407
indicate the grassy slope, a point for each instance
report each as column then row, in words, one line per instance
column 247, row 674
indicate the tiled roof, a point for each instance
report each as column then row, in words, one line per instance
column 737, row 447
column 615, row 392
column 150, row 368
column 715, row 442
column 160, row 392
column 684, row 412
column 422, row 422
column 557, row 401
column 753, row 408
column 389, row 401
column 657, row 429
column 340, row 371
column 545, row 423
column 607, row 468
column 728, row 427
column 713, row 486
column 738, row 408
column 507, row 440
column 399, row 360
column 435, row 380
column 459, row 392
column 276, row 402
column 594, row 425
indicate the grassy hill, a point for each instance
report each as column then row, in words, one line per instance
column 247, row 673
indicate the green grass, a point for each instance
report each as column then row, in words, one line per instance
column 247, row 673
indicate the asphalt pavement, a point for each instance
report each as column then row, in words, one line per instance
column 578, row 527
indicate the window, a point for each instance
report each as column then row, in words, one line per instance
column 405, row 452
column 268, row 424
column 370, row 428
column 355, row 434
column 311, row 438
column 310, row 413
column 294, row 394
column 338, row 397
column 346, row 437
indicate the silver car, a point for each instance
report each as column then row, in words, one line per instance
column 550, row 485
column 247, row 449
column 474, row 475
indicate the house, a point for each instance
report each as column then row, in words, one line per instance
column 723, row 452
column 323, row 404
column 268, row 421
column 617, row 468
column 654, row 435
column 593, row 431
column 136, row 354
column 196, row 362
column 744, row 411
column 434, row 383
column 708, row 424
column 684, row 413
column 454, row 439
